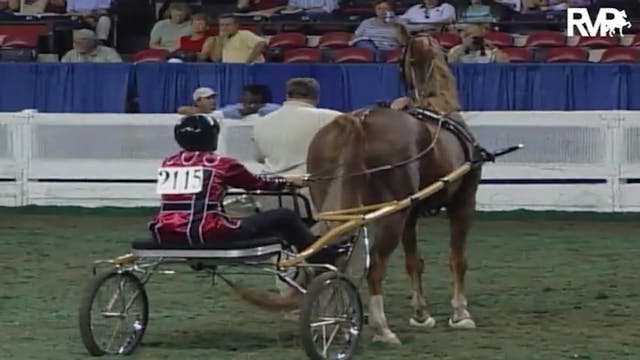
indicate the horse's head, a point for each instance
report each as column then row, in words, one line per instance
column 426, row 73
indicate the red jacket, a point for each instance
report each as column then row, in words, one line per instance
column 196, row 218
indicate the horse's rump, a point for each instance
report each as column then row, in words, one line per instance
column 405, row 154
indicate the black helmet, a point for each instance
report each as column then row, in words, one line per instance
column 197, row 133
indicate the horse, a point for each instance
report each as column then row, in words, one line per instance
column 384, row 154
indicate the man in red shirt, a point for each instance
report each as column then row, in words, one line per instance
column 193, row 182
column 198, row 42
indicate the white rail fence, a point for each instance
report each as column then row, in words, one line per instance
column 573, row 161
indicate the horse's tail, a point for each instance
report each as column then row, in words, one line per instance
column 265, row 300
column 350, row 142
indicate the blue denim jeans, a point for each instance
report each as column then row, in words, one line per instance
column 368, row 44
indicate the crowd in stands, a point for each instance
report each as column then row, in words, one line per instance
column 340, row 31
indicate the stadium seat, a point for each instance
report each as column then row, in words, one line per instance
column 499, row 39
column 17, row 55
column 598, row 42
column 288, row 40
column 546, row 39
column 394, row 56
column 353, row 55
column 447, row 40
column 335, row 40
column 16, row 41
column 151, row 55
column 566, row 54
column 636, row 40
column 518, row 55
column 620, row 55
column 302, row 55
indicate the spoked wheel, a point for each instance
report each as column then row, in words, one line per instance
column 113, row 314
column 331, row 318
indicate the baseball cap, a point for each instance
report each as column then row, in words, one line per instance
column 202, row 92
column 84, row 34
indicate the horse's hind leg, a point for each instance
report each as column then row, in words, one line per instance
column 387, row 238
column 461, row 213
column 415, row 266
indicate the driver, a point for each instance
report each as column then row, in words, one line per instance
column 196, row 219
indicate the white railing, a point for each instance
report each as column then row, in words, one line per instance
column 572, row 161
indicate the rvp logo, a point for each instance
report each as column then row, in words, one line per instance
column 607, row 22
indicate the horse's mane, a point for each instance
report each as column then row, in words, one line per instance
column 443, row 95
column 439, row 90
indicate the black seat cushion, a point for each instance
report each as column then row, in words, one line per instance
column 230, row 244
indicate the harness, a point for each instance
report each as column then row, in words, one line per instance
column 474, row 153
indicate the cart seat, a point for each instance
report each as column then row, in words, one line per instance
column 228, row 249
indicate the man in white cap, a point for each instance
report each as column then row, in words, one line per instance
column 86, row 49
column 204, row 102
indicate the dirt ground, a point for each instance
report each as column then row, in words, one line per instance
column 539, row 287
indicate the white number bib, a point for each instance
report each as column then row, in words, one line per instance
column 180, row 180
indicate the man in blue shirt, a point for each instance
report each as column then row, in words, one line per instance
column 256, row 99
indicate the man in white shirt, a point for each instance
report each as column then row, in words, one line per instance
column 429, row 14
column 283, row 136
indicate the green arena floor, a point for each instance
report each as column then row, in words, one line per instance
column 540, row 286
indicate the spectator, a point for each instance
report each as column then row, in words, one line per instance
column 381, row 33
column 165, row 33
column 474, row 11
column 9, row 6
column 87, row 50
column 256, row 99
column 314, row 8
column 283, row 136
column 261, row 7
column 474, row 48
column 199, row 42
column 204, row 102
column 429, row 12
column 94, row 12
column 233, row 45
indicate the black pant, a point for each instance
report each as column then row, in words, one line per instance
column 284, row 223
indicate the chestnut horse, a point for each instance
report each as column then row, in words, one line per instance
column 380, row 154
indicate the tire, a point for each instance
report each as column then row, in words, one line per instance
column 310, row 302
column 134, row 337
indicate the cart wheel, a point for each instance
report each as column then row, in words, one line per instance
column 113, row 314
column 331, row 318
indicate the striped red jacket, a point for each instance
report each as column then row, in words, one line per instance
column 196, row 218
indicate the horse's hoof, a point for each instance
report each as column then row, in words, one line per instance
column 462, row 324
column 428, row 322
column 390, row 339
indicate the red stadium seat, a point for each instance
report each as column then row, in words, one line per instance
column 619, row 55
column 394, row 56
column 335, row 40
column 636, row 40
column 598, row 42
column 151, row 55
column 518, row 55
column 302, row 55
column 15, row 41
column 499, row 39
column 447, row 40
column 353, row 55
column 566, row 54
column 546, row 39
column 288, row 40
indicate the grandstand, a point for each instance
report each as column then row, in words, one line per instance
column 534, row 36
